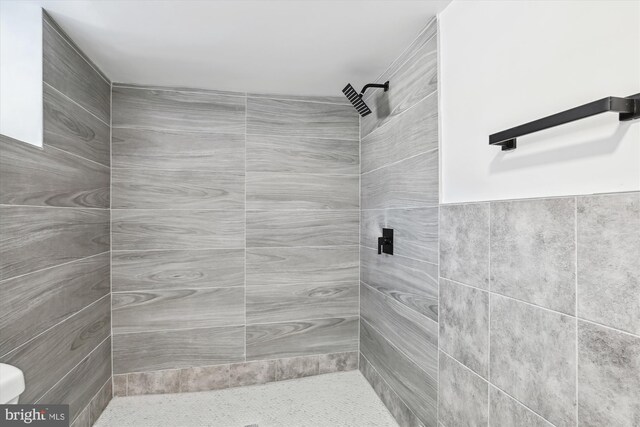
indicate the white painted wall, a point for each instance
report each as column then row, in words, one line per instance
column 21, row 71
column 504, row 63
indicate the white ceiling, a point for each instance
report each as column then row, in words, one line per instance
column 302, row 47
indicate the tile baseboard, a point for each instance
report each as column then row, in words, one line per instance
column 232, row 375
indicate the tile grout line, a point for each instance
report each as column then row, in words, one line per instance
column 180, row 250
column 394, row 163
column 491, row 385
column 400, row 64
column 288, row 174
column 304, row 136
column 227, row 132
column 192, row 288
column 350, row 316
column 575, row 240
column 401, row 113
column 242, row 362
column 246, row 115
column 53, row 266
column 399, row 350
column 303, row 247
column 79, row 208
column 405, row 257
column 439, row 319
column 74, row 367
column 581, row 319
column 465, row 367
column 193, row 328
column 186, row 288
column 411, row 107
column 253, row 210
column 53, row 326
column 49, row 146
column 489, row 327
column 111, row 228
column 533, row 198
column 390, row 388
column 236, row 325
column 76, row 103
column 248, row 95
column 359, row 233
column 216, row 132
column 308, row 101
column 76, row 49
column 225, row 172
column 385, row 296
column 88, row 406
column 178, row 89
column 132, row 210
column 404, row 208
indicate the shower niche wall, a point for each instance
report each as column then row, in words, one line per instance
column 235, row 238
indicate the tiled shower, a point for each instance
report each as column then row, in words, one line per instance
column 173, row 240
column 239, row 254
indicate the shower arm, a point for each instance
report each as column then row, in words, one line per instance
column 384, row 86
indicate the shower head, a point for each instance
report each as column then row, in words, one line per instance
column 356, row 98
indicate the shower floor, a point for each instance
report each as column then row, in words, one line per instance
column 330, row 400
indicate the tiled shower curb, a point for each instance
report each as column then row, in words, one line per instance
column 219, row 377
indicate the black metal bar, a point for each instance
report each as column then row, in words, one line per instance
column 629, row 109
column 384, row 86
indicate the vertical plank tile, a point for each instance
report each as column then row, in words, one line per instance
column 533, row 358
column 608, row 377
column 608, row 254
column 463, row 396
column 464, row 325
column 533, row 251
column 464, row 243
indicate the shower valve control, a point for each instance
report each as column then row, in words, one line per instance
column 385, row 243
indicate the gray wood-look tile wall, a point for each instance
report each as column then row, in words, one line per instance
column 55, row 321
column 400, row 190
column 539, row 312
column 234, row 228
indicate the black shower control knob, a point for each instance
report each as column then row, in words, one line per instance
column 385, row 243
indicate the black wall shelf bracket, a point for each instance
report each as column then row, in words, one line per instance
column 628, row 108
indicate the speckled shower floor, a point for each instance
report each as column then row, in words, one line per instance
column 330, row 400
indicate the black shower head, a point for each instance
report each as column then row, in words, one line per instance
column 356, row 98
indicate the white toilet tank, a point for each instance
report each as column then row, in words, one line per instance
column 11, row 384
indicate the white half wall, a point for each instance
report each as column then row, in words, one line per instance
column 21, row 71
column 505, row 63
